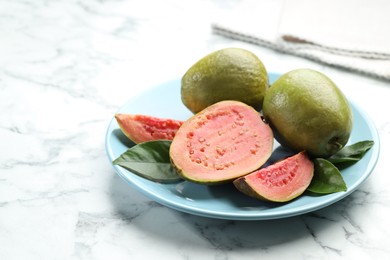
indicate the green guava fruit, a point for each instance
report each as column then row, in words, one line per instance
column 308, row 112
column 226, row 74
column 279, row 182
column 144, row 128
column 222, row 142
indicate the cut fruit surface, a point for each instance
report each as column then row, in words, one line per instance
column 143, row 128
column 222, row 142
column 279, row 182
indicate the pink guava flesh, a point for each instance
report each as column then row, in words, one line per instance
column 222, row 142
column 143, row 128
column 279, row 182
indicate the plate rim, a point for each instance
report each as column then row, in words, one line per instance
column 247, row 215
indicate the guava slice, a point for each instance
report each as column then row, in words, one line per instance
column 221, row 143
column 143, row 128
column 279, row 182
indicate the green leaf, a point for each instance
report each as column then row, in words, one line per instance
column 327, row 178
column 149, row 160
column 350, row 154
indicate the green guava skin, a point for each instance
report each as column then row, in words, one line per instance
column 307, row 111
column 226, row 74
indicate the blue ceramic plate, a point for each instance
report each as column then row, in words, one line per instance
column 225, row 202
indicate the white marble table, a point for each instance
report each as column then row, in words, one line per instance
column 66, row 66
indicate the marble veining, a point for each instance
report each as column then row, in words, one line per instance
column 67, row 66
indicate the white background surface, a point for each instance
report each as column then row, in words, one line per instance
column 67, row 66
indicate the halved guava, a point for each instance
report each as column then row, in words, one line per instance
column 221, row 143
column 144, row 128
column 279, row 182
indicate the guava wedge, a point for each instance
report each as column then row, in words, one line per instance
column 279, row 182
column 221, row 143
column 143, row 128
